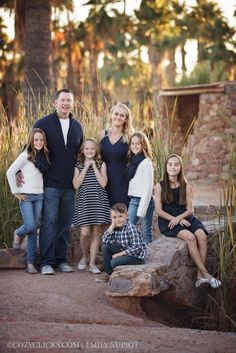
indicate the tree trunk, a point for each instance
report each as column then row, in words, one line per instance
column 155, row 61
column 171, row 69
column 37, row 63
column 183, row 58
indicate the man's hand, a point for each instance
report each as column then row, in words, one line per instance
column 19, row 179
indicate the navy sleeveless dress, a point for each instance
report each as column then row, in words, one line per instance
column 115, row 157
column 175, row 209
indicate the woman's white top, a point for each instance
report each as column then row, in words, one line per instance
column 32, row 176
column 141, row 185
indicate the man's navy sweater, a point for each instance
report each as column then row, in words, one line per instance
column 61, row 170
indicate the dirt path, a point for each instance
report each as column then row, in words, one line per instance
column 70, row 313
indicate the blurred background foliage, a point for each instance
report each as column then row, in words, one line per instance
column 111, row 51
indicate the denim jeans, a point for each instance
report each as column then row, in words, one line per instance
column 146, row 222
column 108, row 250
column 31, row 212
column 57, row 217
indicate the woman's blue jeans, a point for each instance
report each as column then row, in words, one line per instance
column 109, row 263
column 57, row 217
column 146, row 222
column 31, row 212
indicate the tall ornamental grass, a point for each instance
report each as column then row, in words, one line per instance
column 221, row 308
column 14, row 137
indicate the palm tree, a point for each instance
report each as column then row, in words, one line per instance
column 213, row 33
column 37, row 45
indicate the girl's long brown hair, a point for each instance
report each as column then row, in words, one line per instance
column 30, row 145
column 146, row 146
column 166, row 194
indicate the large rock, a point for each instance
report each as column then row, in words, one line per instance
column 168, row 268
column 167, row 264
column 139, row 280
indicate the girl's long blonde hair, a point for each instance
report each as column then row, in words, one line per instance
column 146, row 146
column 31, row 151
column 166, row 194
column 81, row 156
column 127, row 129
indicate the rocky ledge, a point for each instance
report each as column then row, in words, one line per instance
column 168, row 267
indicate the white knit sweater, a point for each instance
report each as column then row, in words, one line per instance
column 141, row 185
column 32, row 176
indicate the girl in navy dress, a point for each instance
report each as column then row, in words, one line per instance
column 173, row 199
column 114, row 148
column 92, row 206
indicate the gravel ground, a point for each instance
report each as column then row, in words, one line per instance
column 70, row 313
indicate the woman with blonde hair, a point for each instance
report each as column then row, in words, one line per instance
column 114, row 148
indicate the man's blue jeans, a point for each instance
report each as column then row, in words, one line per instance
column 108, row 250
column 57, row 217
column 146, row 222
column 31, row 212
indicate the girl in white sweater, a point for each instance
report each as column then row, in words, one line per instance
column 32, row 162
column 139, row 172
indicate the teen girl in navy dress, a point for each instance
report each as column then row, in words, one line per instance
column 173, row 198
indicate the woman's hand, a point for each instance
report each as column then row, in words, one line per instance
column 21, row 197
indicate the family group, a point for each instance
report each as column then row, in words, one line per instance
column 103, row 186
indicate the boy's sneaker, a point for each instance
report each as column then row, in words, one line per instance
column 47, row 270
column 104, row 278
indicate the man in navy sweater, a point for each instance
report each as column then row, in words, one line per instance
column 64, row 137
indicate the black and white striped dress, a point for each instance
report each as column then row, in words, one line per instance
column 92, row 205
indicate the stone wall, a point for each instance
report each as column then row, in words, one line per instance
column 207, row 146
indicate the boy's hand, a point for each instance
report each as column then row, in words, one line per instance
column 118, row 254
column 112, row 227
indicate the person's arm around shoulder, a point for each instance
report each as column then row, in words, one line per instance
column 101, row 175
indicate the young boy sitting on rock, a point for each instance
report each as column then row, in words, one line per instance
column 122, row 243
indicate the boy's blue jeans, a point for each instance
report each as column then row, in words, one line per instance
column 31, row 212
column 108, row 250
column 57, row 217
column 146, row 222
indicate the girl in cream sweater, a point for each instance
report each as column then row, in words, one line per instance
column 139, row 172
column 32, row 162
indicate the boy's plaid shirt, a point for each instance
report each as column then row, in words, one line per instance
column 128, row 238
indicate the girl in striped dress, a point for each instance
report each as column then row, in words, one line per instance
column 92, row 205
